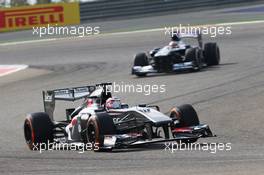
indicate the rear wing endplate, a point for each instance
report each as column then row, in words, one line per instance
column 66, row 94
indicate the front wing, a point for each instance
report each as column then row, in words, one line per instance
column 150, row 69
column 184, row 133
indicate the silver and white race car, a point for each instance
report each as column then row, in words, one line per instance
column 180, row 54
column 106, row 123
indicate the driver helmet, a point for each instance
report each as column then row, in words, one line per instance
column 113, row 103
column 173, row 44
column 175, row 37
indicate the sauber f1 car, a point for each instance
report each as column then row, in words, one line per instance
column 107, row 123
column 178, row 55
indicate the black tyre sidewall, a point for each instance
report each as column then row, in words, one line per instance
column 192, row 54
column 40, row 128
column 188, row 116
column 103, row 125
column 211, row 54
column 141, row 59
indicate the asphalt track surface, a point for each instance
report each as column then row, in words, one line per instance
column 228, row 97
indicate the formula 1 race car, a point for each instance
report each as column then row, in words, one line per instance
column 106, row 123
column 177, row 56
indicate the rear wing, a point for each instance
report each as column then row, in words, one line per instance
column 66, row 94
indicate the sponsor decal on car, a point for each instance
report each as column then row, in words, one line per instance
column 39, row 15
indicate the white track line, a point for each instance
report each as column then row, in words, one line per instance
column 27, row 42
column 15, row 68
column 131, row 32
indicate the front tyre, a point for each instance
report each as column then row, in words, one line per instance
column 187, row 116
column 97, row 127
column 141, row 59
column 193, row 56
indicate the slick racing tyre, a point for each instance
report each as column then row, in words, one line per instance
column 38, row 130
column 98, row 126
column 187, row 116
column 192, row 55
column 211, row 54
column 141, row 59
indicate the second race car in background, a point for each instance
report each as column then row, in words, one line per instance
column 178, row 55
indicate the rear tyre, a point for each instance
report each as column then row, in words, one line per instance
column 38, row 130
column 97, row 127
column 211, row 54
column 141, row 59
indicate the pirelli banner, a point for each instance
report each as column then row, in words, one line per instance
column 39, row 15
